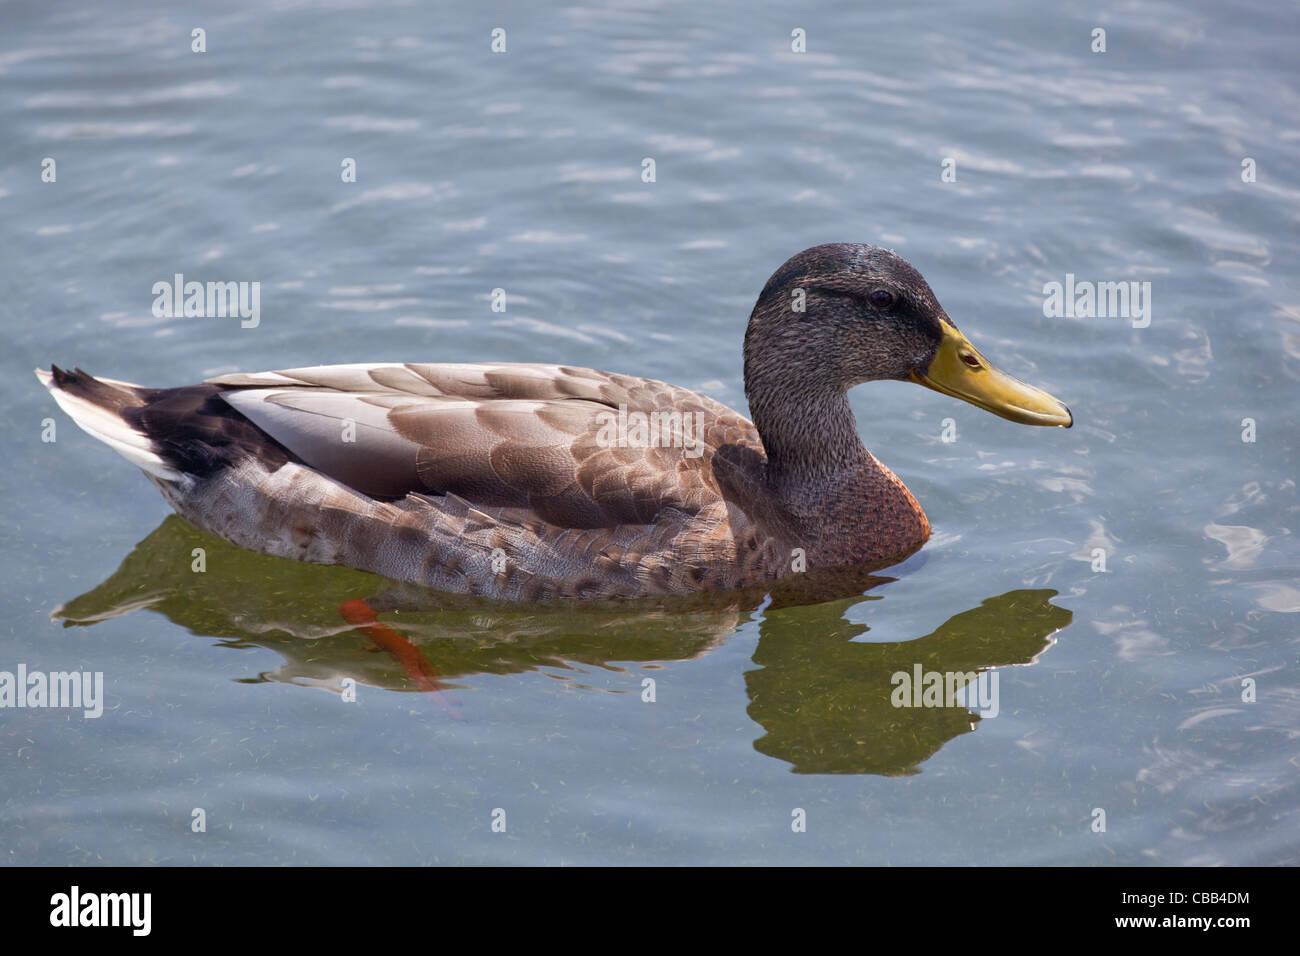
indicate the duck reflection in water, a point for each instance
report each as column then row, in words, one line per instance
column 827, row 703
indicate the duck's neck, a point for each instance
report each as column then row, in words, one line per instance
column 847, row 507
column 809, row 435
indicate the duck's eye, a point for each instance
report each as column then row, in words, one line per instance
column 970, row 360
column 881, row 298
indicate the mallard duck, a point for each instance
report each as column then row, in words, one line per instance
column 525, row 481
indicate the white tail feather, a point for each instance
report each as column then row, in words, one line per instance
column 111, row 429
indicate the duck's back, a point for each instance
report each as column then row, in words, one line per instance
column 581, row 448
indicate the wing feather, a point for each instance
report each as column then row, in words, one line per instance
column 513, row 436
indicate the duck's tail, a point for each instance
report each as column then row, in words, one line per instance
column 104, row 408
column 177, row 435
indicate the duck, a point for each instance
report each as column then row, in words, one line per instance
column 529, row 482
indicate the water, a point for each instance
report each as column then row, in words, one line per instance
column 1120, row 691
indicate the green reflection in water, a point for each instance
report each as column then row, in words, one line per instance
column 823, row 699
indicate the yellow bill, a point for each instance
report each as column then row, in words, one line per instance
column 959, row 370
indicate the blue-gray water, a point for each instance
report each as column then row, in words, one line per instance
column 1120, row 690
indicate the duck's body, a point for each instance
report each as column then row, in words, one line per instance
column 537, row 481
column 492, row 479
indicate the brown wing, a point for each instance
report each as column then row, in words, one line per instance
column 579, row 448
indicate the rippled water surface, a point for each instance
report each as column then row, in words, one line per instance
column 1127, row 690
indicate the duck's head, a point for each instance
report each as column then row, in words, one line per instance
column 841, row 314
